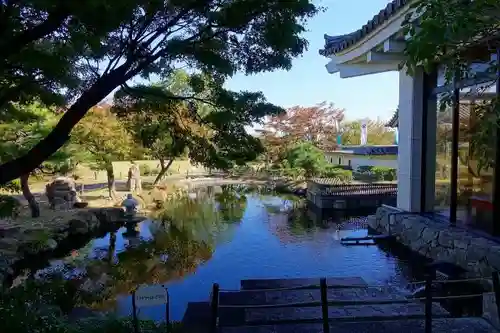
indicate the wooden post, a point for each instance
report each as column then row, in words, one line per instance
column 215, row 308
column 324, row 305
column 135, row 321
column 496, row 290
column 428, row 301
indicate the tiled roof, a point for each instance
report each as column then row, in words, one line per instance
column 393, row 122
column 335, row 44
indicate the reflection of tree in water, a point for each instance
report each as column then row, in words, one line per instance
column 170, row 255
column 191, row 228
column 231, row 204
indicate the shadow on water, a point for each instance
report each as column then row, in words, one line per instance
column 225, row 234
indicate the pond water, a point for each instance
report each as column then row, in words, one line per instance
column 224, row 235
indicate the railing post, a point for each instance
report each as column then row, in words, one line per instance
column 496, row 290
column 167, row 313
column 428, row 300
column 215, row 308
column 324, row 305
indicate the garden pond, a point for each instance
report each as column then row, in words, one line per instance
column 225, row 234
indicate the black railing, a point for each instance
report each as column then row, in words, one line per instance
column 324, row 303
column 214, row 306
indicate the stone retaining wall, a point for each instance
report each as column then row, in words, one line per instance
column 436, row 240
column 16, row 242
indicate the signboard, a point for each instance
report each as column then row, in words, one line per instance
column 150, row 295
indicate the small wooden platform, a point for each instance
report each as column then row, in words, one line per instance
column 362, row 240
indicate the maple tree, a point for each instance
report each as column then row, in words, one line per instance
column 212, row 134
column 316, row 125
column 64, row 52
column 106, row 139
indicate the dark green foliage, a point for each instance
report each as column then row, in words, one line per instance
column 9, row 206
column 376, row 173
column 342, row 175
column 190, row 113
column 308, row 157
column 42, row 307
column 67, row 47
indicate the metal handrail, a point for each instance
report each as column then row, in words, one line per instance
column 214, row 305
column 429, row 299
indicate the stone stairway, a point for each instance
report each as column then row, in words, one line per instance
column 267, row 306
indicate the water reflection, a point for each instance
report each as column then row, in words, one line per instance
column 224, row 234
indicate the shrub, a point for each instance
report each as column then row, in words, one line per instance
column 342, row 175
column 377, row 173
column 13, row 186
column 9, row 206
column 294, row 172
column 384, row 173
column 145, row 170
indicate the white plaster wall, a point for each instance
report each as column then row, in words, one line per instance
column 409, row 143
column 357, row 161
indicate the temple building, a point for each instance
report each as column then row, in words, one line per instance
column 447, row 153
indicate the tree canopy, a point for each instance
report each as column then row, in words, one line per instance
column 66, row 53
column 206, row 122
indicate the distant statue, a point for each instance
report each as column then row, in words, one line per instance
column 130, row 206
column 134, row 178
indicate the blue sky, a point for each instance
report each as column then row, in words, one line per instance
column 308, row 82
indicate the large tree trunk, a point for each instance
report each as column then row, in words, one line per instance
column 60, row 133
column 163, row 171
column 111, row 181
column 32, row 203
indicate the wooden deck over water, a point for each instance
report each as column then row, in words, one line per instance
column 326, row 194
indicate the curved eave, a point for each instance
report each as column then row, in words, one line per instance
column 336, row 44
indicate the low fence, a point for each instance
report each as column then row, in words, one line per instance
column 326, row 188
column 428, row 299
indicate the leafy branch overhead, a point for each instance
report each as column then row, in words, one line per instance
column 192, row 113
column 453, row 37
column 66, row 53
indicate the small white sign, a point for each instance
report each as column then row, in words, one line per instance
column 150, row 295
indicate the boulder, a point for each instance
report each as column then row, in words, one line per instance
column 78, row 226
column 9, row 244
column 61, row 193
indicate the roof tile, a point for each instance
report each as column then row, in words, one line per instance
column 335, row 44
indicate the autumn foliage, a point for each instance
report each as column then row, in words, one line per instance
column 316, row 124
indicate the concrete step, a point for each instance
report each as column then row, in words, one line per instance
column 448, row 325
column 283, row 297
column 333, row 282
column 372, row 312
column 197, row 315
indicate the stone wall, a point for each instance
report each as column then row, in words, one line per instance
column 18, row 241
column 439, row 241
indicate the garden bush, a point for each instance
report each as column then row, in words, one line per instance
column 9, row 206
column 344, row 176
column 145, row 170
column 294, row 172
column 43, row 306
column 377, row 173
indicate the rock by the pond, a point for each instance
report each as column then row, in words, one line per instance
column 93, row 286
column 83, row 222
column 9, row 244
column 61, row 193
